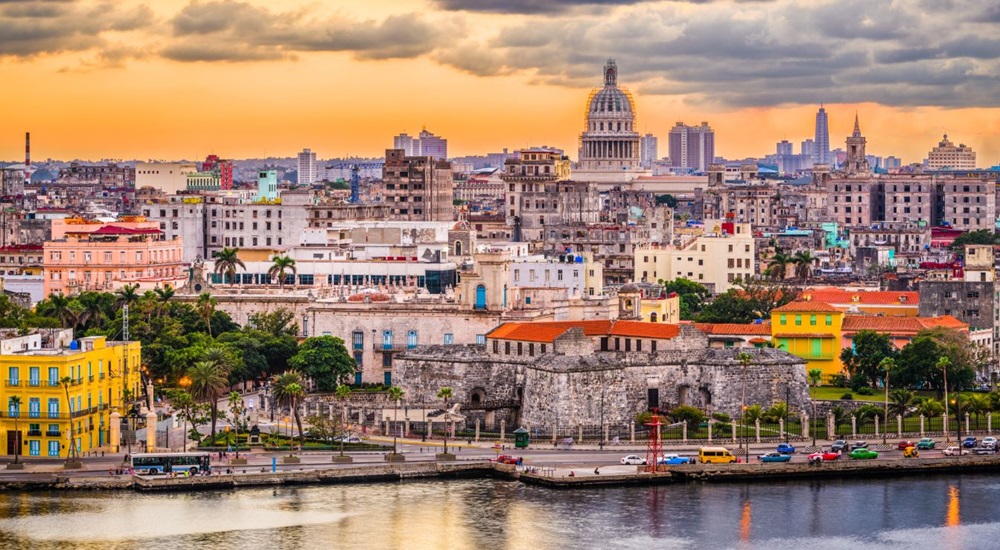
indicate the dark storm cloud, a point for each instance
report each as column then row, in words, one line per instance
column 236, row 31
column 29, row 28
column 762, row 54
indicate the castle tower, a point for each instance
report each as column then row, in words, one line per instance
column 629, row 302
column 856, row 162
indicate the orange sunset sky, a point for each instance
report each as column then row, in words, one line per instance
column 170, row 79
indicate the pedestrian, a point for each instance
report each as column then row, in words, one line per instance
column 597, row 471
column 102, row 454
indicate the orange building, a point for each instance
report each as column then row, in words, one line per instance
column 873, row 302
column 107, row 256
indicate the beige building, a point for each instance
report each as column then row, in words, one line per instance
column 417, row 188
column 169, row 177
column 713, row 259
column 948, row 156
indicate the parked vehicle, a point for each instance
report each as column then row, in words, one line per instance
column 911, row 452
column 990, row 442
column 824, row 456
column 970, row 442
column 902, row 445
column 774, row 457
column 634, row 460
column 839, row 445
column 786, row 448
column 673, row 459
column 862, row 453
column 507, row 459
column 982, row 450
column 953, row 451
column 715, row 455
column 925, row 444
column 859, row 445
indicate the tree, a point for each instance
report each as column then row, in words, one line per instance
column 930, row 407
column 751, row 299
column 395, row 394
column 324, row 428
column 324, row 359
column 803, row 261
column 14, row 406
column 692, row 295
column 236, row 412
column 901, row 400
column 918, row 361
column 667, row 199
column 163, row 295
column 776, row 411
column 127, row 295
column 777, row 267
column 445, row 394
column 815, row 375
column 226, row 262
column 686, row 413
column 184, row 402
column 753, row 413
column 279, row 322
column 289, row 390
column 65, row 382
column 56, row 306
column 977, row 405
column 279, row 269
column 208, row 379
column 982, row 236
column 863, row 361
column 343, row 393
column 206, row 308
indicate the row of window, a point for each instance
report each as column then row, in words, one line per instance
column 166, row 255
column 35, row 374
column 782, row 320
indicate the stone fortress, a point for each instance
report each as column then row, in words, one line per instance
column 572, row 373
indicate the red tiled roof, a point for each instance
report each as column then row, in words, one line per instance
column 833, row 295
column 741, row 329
column 802, row 307
column 119, row 230
column 758, row 340
column 900, row 325
column 550, row 330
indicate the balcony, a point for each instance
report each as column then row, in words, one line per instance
column 34, row 383
column 34, row 433
column 393, row 347
column 53, row 433
column 12, row 383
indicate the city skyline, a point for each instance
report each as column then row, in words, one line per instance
column 177, row 79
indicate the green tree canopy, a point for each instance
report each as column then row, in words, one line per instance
column 692, row 296
column 325, row 360
column 862, row 361
column 667, row 199
column 918, row 360
column 982, row 236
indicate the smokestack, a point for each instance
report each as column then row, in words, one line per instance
column 27, row 157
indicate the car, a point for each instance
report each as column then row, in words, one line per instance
column 839, row 445
column 774, row 457
column 990, row 442
column 953, row 450
column 347, row 439
column 824, row 456
column 970, row 442
column 507, row 459
column 925, row 443
column 982, row 450
column 674, row 459
column 861, row 453
column 634, row 460
column 859, row 445
column 786, row 448
column 904, row 444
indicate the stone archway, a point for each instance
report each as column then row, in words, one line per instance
column 477, row 397
column 682, row 394
column 706, row 397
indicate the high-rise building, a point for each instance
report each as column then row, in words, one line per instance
column 648, row 144
column 784, row 148
column 821, row 152
column 893, row 163
column 807, row 147
column 267, row 185
column 406, row 143
column 224, row 168
column 307, row 167
column 692, row 146
column 948, row 156
column 417, row 188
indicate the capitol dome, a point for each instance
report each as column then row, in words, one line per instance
column 609, row 142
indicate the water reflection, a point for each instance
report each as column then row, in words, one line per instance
column 491, row 514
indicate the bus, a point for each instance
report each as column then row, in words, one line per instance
column 165, row 463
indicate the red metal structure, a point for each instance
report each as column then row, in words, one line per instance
column 654, row 445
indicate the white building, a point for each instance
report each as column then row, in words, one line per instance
column 307, row 167
column 715, row 259
column 169, row 177
column 948, row 156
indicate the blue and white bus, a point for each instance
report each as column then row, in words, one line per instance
column 165, row 463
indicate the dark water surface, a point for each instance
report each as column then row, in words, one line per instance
column 941, row 513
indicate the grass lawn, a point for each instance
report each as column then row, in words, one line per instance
column 830, row 393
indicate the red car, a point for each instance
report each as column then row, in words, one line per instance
column 825, row 456
column 506, row 459
column 902, row 445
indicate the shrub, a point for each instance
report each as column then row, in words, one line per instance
column 847, row 395
column 865, row 391
column 839, row 380
column 721, row 417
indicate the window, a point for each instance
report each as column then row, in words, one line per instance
column 33, row 376
column 481, row 340
column 798, row 320
column 14, row 376
column 449, row 338
column 386, row 360
column 34, row 447
column 386, row 339
column 357, row 358
column 53, row 376
column 812, row 320
column 34, row 407
column 411, row 339
column 358, row 339
column 817, row 347
column 13, row 409
column 520, row 348
column 829, row 320
column 53, row 448
column 781, row 319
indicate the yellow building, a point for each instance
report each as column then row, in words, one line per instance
column 662, row 310
column 35, row 366
column 812, row 331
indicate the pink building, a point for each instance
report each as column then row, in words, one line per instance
column 99, row 256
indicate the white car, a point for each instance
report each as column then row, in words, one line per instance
column 990, row 442
column 953, row 450
column 634, row 460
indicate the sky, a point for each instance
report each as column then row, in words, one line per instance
column 171, row 79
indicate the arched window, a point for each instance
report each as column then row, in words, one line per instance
column 480, row 297
column 458, row 248
column 411, row 339
column 652, row 317
column 602, row 126
column 619, row 126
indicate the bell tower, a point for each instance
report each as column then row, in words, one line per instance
column 629, row 302
column 856, row 162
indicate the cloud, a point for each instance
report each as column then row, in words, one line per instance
column 35, row 27
column 534, row 7
column 229, row 30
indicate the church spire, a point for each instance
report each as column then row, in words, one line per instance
column 857, row 127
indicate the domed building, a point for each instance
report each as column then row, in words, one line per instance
column 609, row 145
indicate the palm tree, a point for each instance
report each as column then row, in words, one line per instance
column 815, row 375
column 206, row 308
column 208, row 379
column 226, row 262
column 282, row 265
column 930, row 407
column 289, row 390
column 236, row 409
column 395, row 394
column 901, row 400
column 342, row 392
column 803, row 264
column 56, row 306
column 163, row 295
column 777, row 267
column 977, row 405
column 127, row 295
column 14, row 406
column 445, row 393
column 65, row 381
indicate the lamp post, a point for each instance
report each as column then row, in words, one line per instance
column 814, row 422
column 601, row 434
column 943, row 363
column 887, row 364
column 745, row 359
column 958, row 421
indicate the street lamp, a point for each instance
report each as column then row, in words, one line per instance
column 814, row 421
column 601, row 434
column 886, row 364
column 745, row 359
column 943, row 363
